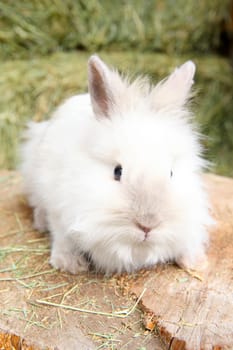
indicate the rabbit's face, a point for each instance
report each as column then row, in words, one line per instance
column 140, row 187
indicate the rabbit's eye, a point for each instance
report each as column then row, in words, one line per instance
column 171, row 173
column 118, row 172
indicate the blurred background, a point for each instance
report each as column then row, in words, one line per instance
column 45, row 44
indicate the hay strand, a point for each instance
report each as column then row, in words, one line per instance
column 118, row 314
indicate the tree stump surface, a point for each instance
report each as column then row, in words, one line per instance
column 182, row 310
column 194, row 310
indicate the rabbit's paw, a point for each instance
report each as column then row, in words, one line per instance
column 66, row 261
column 40, row 220
column 188, row 263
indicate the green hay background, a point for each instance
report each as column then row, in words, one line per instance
column 40, row 65
column 41, row 27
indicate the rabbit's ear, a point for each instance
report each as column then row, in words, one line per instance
column 175, row 90
column 102, row 85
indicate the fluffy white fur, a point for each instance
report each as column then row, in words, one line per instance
column 68, row 168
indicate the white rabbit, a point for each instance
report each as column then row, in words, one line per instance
column 115, row 175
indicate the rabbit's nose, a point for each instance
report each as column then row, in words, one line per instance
column 143, row 228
